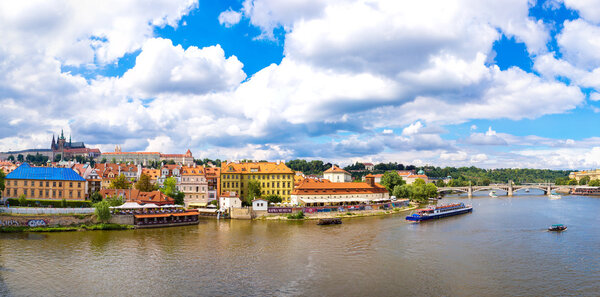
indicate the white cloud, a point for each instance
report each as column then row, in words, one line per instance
column 479, row 158
column 458, row 156
column 588, row 9
column 580, row 42
column 229, row 18
column 164, row 68
column 595, row 96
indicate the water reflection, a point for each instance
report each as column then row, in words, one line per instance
column 502, row 248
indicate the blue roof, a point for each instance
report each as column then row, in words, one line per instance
column 44, row 173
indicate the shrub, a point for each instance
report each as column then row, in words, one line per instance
column 22, row 200
column 296, row 216
column 63, row 203
column 53, row 203
column 102, row 211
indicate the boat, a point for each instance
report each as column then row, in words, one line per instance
column 436, row 212
column 557, row 227
column 526, row 190
column 329, row 221
column 555, row 196
column 493, row 194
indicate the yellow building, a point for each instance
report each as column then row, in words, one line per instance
column 44, row 183
column 593, row 174
column 274, row 178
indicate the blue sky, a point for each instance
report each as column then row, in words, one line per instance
column 448, row 83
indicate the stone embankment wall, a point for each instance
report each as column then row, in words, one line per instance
column 45, row 220
column 121, row 219
column 241, row 213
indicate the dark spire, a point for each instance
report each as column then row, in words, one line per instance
column 62, row 135
column 69, row 139
column 53, row 142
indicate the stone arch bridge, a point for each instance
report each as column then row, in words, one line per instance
column 509, row 188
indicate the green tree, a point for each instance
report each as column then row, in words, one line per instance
column 170, row 189
column 57, row 158
column 486, row 182
column 11, row 158
column 401, row 191
column 572, row 182
column 273, row 198
column 114, row 200
column 2, row 176
column 584, row 180
column 102, row 211
column 63, row 203
column 144, row 184
column 20, row 158
column 96, row 197
column 391, row 179
column 23, row 200
column 594, row 183
column 103, row 160
column 120, row 182
column 440, row 183
column 253, row 192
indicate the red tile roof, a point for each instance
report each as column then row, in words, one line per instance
column 335, row 169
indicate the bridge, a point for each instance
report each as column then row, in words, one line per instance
column 509, row 188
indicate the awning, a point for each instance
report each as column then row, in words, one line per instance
column 127, row 205
column 198, row 204
column 158, row 215
column 181, row 214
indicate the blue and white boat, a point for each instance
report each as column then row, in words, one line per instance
column 437, row 212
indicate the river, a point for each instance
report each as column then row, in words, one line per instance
column 501, row 249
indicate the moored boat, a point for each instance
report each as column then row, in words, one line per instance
column 436, row 212
column 555, row 196
column 493, row 194
column 557, row 227
column 329, row 221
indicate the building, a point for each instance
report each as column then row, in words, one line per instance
column 324, row 192
column 260, row 204
column 170, row 170
column 193, row 184
column 154, row 174
column 577, row 175
column 229, row 200
column 369, row 166
column 133, row 195
column 145, row 158
column 8, row 167
column 109, row 171
column 408, row 176
column 93, row 180
column 44, row 183
column 213, row 177
column 337, row 175
column 66, row 149
column 275, row 178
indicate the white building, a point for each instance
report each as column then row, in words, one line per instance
column 260, row 204
column 229, row 200
column 337, row 175
column 325, row 193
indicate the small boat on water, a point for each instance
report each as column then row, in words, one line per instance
column 557, row 227
column 329, row 221
column 526, row 190
column 493, row 194
column 436, row 212
column 555, row 196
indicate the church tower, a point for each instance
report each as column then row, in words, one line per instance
column 53, row 145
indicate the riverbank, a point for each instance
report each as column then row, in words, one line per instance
column 13, row 229
column 349, row 214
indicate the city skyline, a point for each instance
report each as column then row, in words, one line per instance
column 446, row 83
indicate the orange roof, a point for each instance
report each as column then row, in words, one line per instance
column 325, row 187
column 335, row 169
column 212, row 171
column 229, row 194
column 156, row 197
column 152, row 173
column 255, row 167
column 191, row 170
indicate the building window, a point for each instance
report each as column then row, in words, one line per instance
column 41, row 193
column 54, row 184
column 60, row 184
column 70, row 184
column 78, row 194
column 24, row 183
column 15, row 191
column 59, row 193
column 41, row 184
column 25, row 192
column 71, row 194
column 79, row 185
column 47, row 193
column 47, row 184
column 53, row 193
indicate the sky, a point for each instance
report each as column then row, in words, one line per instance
column 485, row 83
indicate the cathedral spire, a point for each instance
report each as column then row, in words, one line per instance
column 62, row 135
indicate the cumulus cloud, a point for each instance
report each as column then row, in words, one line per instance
column 487, row 138
column 162, row 67
column 229, row 18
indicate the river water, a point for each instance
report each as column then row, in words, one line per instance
column 501, row 249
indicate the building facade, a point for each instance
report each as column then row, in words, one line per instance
column 145, row 158
column 325, row 193
column 193, row 184
column 213, row 177
column 44, row 183
column 337, row 175
column 274, row 178
column 577, row 175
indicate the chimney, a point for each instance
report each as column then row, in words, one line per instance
column 370, row 180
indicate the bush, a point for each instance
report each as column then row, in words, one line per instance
column 63, row 203
column 102, row 211
column 296, row 216
column 53, row 203
column 22, row 200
